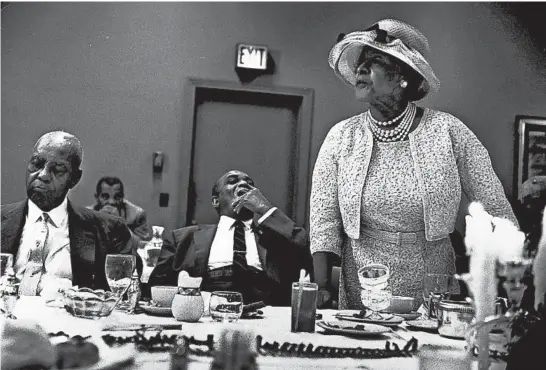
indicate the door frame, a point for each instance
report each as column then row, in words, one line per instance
column 303, row 147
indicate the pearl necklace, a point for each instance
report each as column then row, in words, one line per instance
column 399, row 133
column 390, row 122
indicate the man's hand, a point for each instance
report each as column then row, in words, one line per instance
column 111, row 210
column 253, row 200
column 324, row 298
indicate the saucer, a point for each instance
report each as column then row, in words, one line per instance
column 423, row 324
column 156, row 311
column 354, row 329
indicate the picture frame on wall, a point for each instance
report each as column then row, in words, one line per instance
column 530, row 155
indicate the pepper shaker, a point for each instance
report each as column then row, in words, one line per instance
column 133, row 293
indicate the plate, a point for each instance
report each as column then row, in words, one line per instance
column 410, row 315
column 390, row 319
column 156, row 311
column 423, row 324
column 356, row 329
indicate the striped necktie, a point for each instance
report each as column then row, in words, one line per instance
column 239, row 244
column 240, row 266
column 35, row 267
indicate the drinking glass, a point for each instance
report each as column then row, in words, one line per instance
column 436, row 287
column 376, row 294
column 6, row 261
column 304, row 306
column 9, row 290
column 226, row 306
column 119, row 270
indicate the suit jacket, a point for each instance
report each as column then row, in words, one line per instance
column 282, row 248
column 92, row 235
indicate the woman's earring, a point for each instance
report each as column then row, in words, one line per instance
column 404, row 84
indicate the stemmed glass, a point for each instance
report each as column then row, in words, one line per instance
column 436, row 287
column 119, row 270
column 9, row 287
column 375, row 294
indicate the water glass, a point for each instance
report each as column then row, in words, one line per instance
column 226, row 306
column 119, row 270
column 376, row 294
column 436, row 287
column 304, row 307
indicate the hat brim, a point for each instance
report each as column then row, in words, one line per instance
column 344, row 57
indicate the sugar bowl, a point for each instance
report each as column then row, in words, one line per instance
column 454, row 318
column 188, row 304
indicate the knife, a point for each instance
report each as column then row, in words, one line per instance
column 144, row 327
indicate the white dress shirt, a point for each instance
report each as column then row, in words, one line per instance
column 221, row 251
column 57, row 263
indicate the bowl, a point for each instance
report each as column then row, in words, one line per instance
column 400, row 304
column 163, row 295
column 88, row 303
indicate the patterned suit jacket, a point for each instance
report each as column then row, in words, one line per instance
column 448, row 159
column 92, row 235
column 282, row 247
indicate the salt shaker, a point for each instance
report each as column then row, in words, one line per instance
column 133, row 293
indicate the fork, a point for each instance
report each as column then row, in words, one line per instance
column 397, row 336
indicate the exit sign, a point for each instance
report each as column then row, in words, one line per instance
column 251, row 56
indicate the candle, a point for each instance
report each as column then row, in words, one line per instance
column 481, row 247
column 483, row 282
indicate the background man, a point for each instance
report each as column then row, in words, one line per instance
column 51, row 239
column 110, row 198
column 254, row 248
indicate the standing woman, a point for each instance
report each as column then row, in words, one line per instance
column 387, row 182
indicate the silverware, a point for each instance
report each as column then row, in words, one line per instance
column 397, row 336
column 144, row 327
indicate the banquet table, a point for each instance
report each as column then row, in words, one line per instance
column 274, row 326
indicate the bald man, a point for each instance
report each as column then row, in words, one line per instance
column 52, row 240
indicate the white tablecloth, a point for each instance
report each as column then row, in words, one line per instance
column 274, row 327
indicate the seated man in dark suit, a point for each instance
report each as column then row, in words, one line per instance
column 110, row 197
column 254, row 249
column 52, row 240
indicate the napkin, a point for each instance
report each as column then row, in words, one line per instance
column 25, row 344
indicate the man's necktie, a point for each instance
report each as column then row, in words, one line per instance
column 36, row 259
column 240, row 265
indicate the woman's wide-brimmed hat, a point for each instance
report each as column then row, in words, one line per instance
column 389, row 36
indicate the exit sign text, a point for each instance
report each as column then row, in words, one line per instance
column 251, row 56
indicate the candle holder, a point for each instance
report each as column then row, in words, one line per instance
column 496, row 332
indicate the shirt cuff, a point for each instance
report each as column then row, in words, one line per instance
column 266, row 215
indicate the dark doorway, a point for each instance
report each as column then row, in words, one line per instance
column 258, row 130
